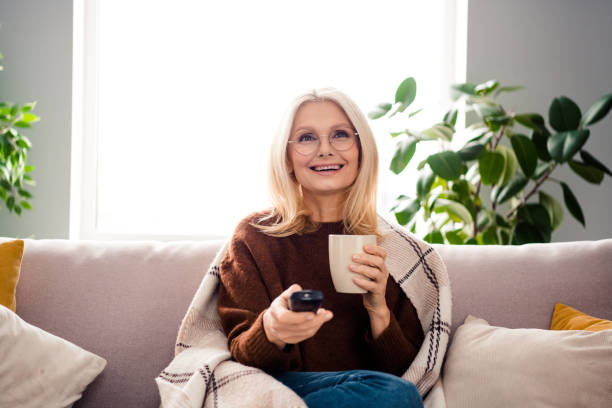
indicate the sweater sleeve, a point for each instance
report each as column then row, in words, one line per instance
column 243, row 299
column 396, row 347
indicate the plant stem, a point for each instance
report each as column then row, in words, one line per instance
column 498, row 137
column 533, row 190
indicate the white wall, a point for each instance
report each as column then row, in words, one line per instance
column 36, row 41
column 553, row 47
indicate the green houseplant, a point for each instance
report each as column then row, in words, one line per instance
column 14, row 148
column 490, row 191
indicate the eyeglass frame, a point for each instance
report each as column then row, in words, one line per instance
column 355, row 134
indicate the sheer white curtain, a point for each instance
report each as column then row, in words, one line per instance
column 181, row 99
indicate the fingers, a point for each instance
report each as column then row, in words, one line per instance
column 375, row 250
column 287, row 293
column 371, row 265
column 296, row 332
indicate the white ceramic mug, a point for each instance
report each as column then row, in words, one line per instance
column 341, row 251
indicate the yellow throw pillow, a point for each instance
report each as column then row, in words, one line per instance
column 568, row 318
column 10, row 265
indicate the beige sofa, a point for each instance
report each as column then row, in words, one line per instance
column 125, row 300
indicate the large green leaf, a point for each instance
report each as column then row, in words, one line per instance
column 491, row 166
column 424, row 183
column 471, row 151
column 510, row 164
column 572, row 204
column 462, row 189
column 381, row 110
column 506, row 192
column 434, row 237
column 486, row 87
column 508, row 89
column 447, row 164
column 533, row 121
column 440, row 131
column 489, row 110
column 525, row 153
column 455, row 237
column 406, row 210
column 454, row 209
column 589, row 159
column 555, row 211
column 405, row 93
column 537, row 216
column 501, row 221
column 540, row 141
column 465, row 88
column 564, row 114
column 562, row 146
column 525, row 233
column 451, row 117
column 489, row 236
column 483, row 220
column 541, row 168
column 403, row 153
column 587, row 172
column 30, row 117
column 597, row 111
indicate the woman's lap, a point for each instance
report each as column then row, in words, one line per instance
column 354, row 388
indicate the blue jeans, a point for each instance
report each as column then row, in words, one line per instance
column 354, row 388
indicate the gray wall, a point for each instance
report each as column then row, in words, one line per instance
column 553, row 47
column 36, row 41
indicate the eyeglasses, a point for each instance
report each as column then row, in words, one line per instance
column 341, row 139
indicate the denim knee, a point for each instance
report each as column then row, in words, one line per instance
column 391, row 390
column 408, row 392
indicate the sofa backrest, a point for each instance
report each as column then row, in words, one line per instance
column 518, row 286
column 121, row 300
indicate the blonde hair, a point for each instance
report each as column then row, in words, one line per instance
column 288, row 215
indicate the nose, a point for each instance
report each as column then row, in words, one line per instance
column 325, row 148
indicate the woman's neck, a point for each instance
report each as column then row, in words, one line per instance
column 324, row 208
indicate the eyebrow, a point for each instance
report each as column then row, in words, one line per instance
column 336, row 126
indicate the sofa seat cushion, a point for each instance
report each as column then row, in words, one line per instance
column 488, row 366
column 39, row 369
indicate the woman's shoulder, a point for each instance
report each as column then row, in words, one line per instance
column 246, row 228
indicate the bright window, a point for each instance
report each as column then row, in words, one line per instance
column 181, row 99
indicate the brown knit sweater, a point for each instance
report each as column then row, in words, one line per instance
column 258, row 268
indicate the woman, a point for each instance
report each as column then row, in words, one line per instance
column 323, row 177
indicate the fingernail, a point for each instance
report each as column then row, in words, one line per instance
column 356, row 257
column 353, row 267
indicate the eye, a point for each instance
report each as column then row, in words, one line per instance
column 306, row 137
column 341, row 134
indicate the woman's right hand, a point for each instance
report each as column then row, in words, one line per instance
column 282, row 326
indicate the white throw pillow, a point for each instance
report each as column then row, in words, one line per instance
column 488, row 366
column 39, row 369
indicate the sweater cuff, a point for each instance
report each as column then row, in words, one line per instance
column 264, row 353
column 391, row 350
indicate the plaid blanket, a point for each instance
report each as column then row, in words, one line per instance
column 203, row 374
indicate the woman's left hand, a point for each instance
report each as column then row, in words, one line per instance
column 371, row 264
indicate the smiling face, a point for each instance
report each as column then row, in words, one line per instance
column 326, row 171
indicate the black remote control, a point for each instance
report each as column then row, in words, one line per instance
column 305, row 300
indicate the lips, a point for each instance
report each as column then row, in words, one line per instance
column 327, row 168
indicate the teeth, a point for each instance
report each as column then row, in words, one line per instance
column 332, row 167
